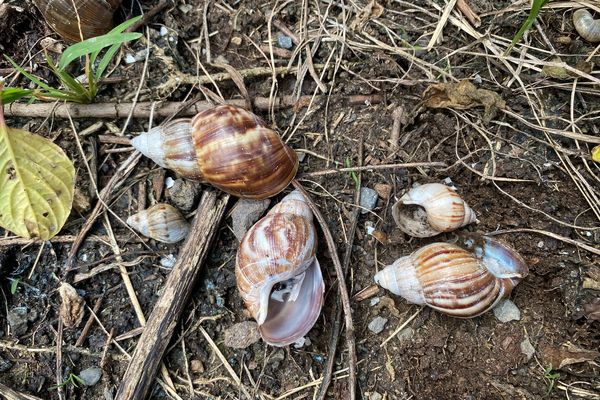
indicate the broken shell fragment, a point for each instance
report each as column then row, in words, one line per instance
column 430, row 209
column 162, row 222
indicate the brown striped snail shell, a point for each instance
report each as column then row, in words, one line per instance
column 162, row 222
column 430, row 209
column 96, row 17
column 458, row 282
column 587, row 27
column 226, row 146
column 277, row 273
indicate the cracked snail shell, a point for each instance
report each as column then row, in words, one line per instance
column 458, row 282
column 277, row 273
column 430, row 209
column 63, row 16
column 587, row 27
column 162, row 222
column 226, row 146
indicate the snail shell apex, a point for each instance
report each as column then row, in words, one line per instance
column 587, row 27
column 226, row 146
column 454, row 280
column 162, row 222
column 277, row 273
column 430, row 209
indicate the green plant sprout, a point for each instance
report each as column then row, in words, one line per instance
column 71, row 380
column 348, row 164
column 14, row 284
column 550, row 378
column 73, row 89
column 536, row 7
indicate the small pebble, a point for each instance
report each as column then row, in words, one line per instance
column 245, row 213
column 185, row 8
column 197, row 366
column 374, row 301
column 383, row 190
column 285, row 41
column 527, row 348
column 368, row 199
column 277, row 357
column 129, row 59
column 373, row 396
column 183, row 194
column 91, row 376
column 507, row 311
column 377, row 325
column 242, row 335
column 17, row 320
column 168, row 261
column 163, row 31
column 302, row 342
column 405, row 334
column 169, row 182
column 5, row 365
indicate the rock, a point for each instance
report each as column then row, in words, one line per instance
column 527, row 348
column 277, row 357
column 17, row 320
column 91, row 376
column 383, row 190
column 242, row 335
column 376, row 326
column 405, row 334
column 197, row 366
column 374, row 301
column 285, row 42
column 368, row 199
column 302, row 342
column 183, row 194
column 245, row 213
column 507, row 311
column 373, row 396
column 168, row 261
column 5, row 365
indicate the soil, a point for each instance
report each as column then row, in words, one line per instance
column 435, row 356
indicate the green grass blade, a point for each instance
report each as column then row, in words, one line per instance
column 29, row 76
column 93, row 45
column 535, row 10
column 110, row 53
column 9, row 95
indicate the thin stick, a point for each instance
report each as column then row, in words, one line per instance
column 89, row 323
column 574, row 242
column 162, row 4
column 401, row 327
column 167, row 109
column 158, row 331
column 442, row 22
column 14, row 395
column 373, row 168
column 342, row 287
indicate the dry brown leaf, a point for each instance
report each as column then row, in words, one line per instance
column 567, row 354
column 371, row 11
column 461, row 96
column 592, row 309
column 71, row 306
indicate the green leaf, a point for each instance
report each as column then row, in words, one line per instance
column 37, row 181
column 535, row 10
column 110, row 53
column 92, row 45
column 14, row 284
column 596, row 153
column 9, row 95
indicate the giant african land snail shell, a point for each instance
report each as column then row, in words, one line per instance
column 226, row 146
column 162, row 222
column 277, row 273
column 586, row 25
column 462, row 283
column 430, row 209
column 96, row 17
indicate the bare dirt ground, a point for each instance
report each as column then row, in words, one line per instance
column 526, row 171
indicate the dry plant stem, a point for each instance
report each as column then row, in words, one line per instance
column 372, row 168
column 16, row 241
column 59, row 375
column 10, row 394
column 468, row 12
column 154, row 340
column 576, row 243
column 52, row 350
column 89, row 323
column 342, row 287
column 162, row 4
column 167, row 109
column 337, row 322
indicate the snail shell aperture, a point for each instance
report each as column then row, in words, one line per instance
column 96, row 17
column 277, row 273
column 459, row 282
column 226, row 146
column 430, row 209
column 162, row 222
column 587, row 27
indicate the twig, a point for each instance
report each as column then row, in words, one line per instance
column 10, row 394
column 154, row 340
column 402, row 326
column 162, row 4
column 342, row 287
column 372, row 168
column 442, row 22
column 577, row 243
column 89, row 323
column 468, row 12
column 17, row 241
column 167, row 109
column 59, row 375
column 52, row 350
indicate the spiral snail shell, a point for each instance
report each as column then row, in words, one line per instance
column 96, row 17
column 162, row 222
column 459, row 282
column 226, row 146
column 587, row 27
column 277, row 273
column 430, row 209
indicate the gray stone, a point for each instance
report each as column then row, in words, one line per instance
column 405, row 334
column 376, row 326
column 368, row 199
column 507, row 311
column 285, row 41
column 245, row 213
column 5, row 365
column 183, row 194
column 17, row 320
column 527, row 348
column 91, row 376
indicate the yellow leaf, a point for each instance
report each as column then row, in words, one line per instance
column 37, row 180
column 596, row 153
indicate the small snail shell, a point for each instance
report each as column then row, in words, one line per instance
column 453, row 280
column 226, row 146
column 430, row 209
column 162, row 222
column 277, row 273
column 96, row 17
column 587, row 27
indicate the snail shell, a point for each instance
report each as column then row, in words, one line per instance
column 162, row 222
column 96, row 17
column 453, row 280
column 277, row 273
column 587, row 27
column 226, row 146
column 430, row 209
